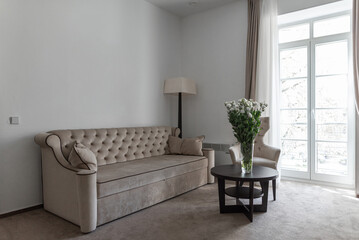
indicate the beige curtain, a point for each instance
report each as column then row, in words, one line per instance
column 252, row 48
column 356, row 77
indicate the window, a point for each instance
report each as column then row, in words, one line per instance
column 317, row 120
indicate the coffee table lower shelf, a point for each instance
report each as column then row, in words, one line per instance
column 243, row 192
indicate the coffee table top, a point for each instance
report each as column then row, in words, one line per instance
column 234, row 172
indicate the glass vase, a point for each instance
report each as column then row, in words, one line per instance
column 247, row 156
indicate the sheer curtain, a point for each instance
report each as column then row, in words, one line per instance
column 267, row 87
column 355, row 13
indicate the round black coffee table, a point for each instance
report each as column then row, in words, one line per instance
column 234, row 173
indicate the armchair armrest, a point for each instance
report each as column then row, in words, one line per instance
column 268, row 152
column 209, row 154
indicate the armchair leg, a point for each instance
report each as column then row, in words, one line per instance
column 274, row 186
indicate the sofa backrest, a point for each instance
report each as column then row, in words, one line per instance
column 118, row 144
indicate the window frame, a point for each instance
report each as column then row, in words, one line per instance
column 310, row 44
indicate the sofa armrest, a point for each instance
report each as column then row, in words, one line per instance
column 209, row 154
column 175, row 131
column 52, row 141
column 68, row 192
column 87, row 200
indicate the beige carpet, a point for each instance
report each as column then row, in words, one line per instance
column 302, row 211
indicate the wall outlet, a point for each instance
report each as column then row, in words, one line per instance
column 14, row 120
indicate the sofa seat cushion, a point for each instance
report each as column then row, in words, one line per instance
column 119, row 177
column 258, row 161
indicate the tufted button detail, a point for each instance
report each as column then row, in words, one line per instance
column 85, row 136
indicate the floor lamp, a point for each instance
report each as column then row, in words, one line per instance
column 180, row 86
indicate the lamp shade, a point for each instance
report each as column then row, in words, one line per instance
column 180, row 85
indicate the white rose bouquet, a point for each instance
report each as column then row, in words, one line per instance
column 244, row 115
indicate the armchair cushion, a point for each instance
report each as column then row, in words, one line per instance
column 82, row 157
column 258, row 161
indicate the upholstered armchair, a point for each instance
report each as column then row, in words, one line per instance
column 263, row 155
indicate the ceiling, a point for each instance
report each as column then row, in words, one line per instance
column 184, row 8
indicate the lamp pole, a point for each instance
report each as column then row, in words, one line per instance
column 180, row 113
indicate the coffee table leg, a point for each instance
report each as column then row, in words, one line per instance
column 237, row 186
column 263, row 207
column 274, row 186
column 221, row 194
column 251, row 186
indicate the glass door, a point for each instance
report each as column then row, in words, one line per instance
column 294, row 111
column 317, row 110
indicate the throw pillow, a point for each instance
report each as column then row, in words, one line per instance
column 192, row 146
column 174, row 145
column 187, row 146
column 82, row 157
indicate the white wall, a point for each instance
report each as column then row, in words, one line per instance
column 77, row 64
column 286, row 6
column 214, row 54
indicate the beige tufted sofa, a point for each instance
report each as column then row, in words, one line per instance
column 134, row 171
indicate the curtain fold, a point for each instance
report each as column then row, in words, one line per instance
column 267, row 87
column 252, row 48
column 355, row 33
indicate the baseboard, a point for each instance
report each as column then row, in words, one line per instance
column 315, row 182
column 21, row 211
